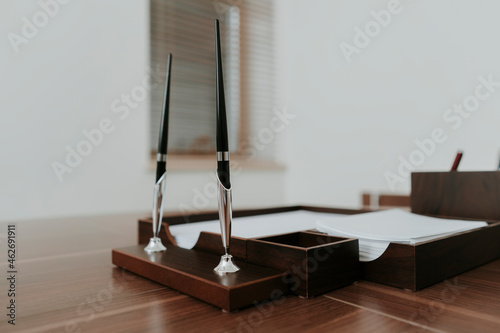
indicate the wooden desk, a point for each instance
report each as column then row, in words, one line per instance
column 66, row 283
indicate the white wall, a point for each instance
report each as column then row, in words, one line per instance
column 354, row 120
column 63, row 80
column 357, row 119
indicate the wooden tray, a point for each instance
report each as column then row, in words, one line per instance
column 191, row 272
column 415, row 267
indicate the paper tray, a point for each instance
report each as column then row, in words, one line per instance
column 415, row 267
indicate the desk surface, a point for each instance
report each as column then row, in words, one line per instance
column 66, row 283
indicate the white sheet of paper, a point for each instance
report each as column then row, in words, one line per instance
column 186, row 235
column 376, row 230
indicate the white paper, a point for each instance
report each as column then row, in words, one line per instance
column 376, row 230
column 186, row 235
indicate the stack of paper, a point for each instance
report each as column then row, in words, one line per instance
column 376, row 230
column 186, row 235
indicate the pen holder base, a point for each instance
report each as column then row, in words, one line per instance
column 155, row 245
column 191, row 272
column 226, row 265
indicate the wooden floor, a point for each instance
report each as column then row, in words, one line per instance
column 66, row 283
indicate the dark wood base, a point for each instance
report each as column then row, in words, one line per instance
column 191, row 272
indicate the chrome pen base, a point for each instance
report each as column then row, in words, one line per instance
column 226, row 265
column 155, row 245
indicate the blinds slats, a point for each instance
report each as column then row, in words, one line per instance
column 185, row 29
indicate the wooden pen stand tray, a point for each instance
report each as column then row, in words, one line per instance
column 305, row 264
column 191, row 272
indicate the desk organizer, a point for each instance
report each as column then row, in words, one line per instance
column 406, row 266
column 463, row 195
column 315, row 263
column 191, row 271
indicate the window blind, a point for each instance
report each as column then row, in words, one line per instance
column 185, row 28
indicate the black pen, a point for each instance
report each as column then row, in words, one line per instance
column 221, row 120
column 224, row 199
column 161, row 156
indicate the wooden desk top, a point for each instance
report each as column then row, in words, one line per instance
column 66, row 283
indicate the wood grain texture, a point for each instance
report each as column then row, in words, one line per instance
column 63, row 289
column 466, row 303
column 457, row 194
column 160, row 311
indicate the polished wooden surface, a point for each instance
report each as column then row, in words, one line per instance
column 66, row 283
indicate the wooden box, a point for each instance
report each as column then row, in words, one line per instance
column 314, row 263
column 473, row 195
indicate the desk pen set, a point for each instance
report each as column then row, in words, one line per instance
column 226, row 264
column 240, row 279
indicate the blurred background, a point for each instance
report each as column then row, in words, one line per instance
column 327, row 100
